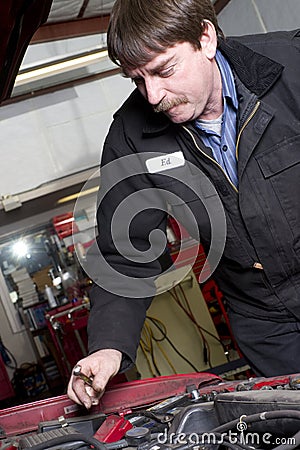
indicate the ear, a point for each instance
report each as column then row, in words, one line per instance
column 208, row 40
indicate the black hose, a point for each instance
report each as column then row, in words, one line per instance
column 259, row 417
column 76, row 437
column 122, row 443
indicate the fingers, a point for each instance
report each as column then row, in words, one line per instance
column 78, row 392
column 100, row 366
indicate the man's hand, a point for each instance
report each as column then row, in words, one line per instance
column 101, row 366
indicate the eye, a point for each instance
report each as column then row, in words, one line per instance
column 165, row 73
column 137, row 81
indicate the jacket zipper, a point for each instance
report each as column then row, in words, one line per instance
column 211, row 159
column 242, row 129
column 237, row 145
column 256, row 264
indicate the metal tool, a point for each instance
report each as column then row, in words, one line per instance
column 77, row 373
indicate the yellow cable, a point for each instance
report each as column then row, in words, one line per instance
column 157, row 341
column 147, row 345
column 166, row 357
column 147, row 359
column 191, row 316
column 147, row 336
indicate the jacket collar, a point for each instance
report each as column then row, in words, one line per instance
column 257, row 72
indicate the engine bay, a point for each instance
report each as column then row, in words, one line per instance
column 204, row 413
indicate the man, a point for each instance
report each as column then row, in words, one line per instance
column 219, row 112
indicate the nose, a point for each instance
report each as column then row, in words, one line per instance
column 154, row 90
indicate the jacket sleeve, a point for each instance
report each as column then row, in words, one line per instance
column 124, row 260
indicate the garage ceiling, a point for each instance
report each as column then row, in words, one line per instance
column 64, row 10
column 70, row 18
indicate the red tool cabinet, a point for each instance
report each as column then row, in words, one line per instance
column 67, row 326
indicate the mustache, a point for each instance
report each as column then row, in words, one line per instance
column 165, row 105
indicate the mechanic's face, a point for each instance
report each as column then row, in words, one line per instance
column 183, row 82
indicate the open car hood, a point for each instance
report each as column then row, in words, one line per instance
column 19, row 19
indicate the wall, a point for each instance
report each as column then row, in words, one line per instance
column 48, row 137
column 258, row 16
column 181, row 334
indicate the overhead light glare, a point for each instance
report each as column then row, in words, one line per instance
column 59, row 67
column 20, row 248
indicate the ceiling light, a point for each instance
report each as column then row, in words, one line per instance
column 20, row 248
column 59, row 67
column 77, row 195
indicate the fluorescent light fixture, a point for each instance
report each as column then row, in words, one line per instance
column 78, row 194
column 59, row 67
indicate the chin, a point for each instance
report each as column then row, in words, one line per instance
column 177, row 118
column 181, row 116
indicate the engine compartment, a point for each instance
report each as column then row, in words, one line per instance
column 259, row 413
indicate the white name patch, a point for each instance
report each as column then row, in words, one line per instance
column 165, row 162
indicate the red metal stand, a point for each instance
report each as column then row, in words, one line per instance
column 67, row 326
column 6, row 390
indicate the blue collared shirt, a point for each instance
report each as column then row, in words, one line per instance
column 223, row 145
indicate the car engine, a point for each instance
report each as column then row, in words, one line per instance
column 257, row 413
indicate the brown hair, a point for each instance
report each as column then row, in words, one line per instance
column 139, row 28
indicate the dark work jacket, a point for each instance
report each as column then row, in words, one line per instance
column 259, row 270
